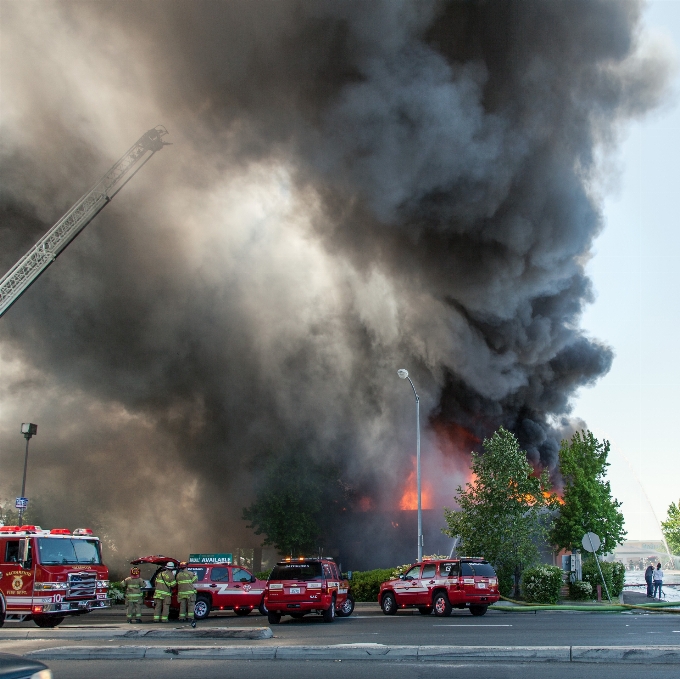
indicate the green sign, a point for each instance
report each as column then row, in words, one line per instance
column 209, row 558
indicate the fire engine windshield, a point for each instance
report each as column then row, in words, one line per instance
column 64, row 551
column 296, row 571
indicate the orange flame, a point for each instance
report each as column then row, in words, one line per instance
column 409, row 499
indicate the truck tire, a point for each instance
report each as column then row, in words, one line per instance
column 329, row 614
column 273, row 618
column 442, row 606
column 262, row 608
column 389, row 604
column 478, row 610
column 201, row 608
column 48, row 620
column 2, row 614
column 347, row 607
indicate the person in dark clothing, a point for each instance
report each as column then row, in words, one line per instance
column 648, row 579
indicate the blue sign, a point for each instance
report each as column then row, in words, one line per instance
column 21, row 503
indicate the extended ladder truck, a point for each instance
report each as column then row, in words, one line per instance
column 18, row 279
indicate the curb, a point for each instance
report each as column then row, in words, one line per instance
column 124, row 632
column 586, row 654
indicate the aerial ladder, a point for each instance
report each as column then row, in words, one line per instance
column 17, row 280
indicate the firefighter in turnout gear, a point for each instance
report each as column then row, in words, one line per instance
column 186, row 592
column 133, row 595
column 165, row 581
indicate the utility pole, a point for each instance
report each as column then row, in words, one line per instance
column 28, row 430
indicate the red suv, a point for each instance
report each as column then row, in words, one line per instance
column 300, row 586
column 220, row 586
column 441, row 585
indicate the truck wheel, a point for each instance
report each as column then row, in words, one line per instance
column 262, row 608
column 347, row 607
column 48, row 620
column 441, row 605
column 273, row 618
column 242, row 611
column 478, row 610
column 2, row 615
column 201, row 608
column 329, row 613
column 389, row 604
column 424, row 610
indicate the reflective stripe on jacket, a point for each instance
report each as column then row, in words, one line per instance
column 185, row 583
column 133, row 588
column 165, row 581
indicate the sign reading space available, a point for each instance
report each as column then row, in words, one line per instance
column 210, row 558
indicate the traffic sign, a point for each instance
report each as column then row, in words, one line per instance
column 21, row 503
column 591, row 542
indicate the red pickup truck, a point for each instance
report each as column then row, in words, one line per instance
column 441, row 585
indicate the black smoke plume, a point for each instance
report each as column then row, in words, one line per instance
column 354, row 187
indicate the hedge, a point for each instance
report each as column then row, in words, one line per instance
column 366, row 584
column 541, row 584
column 614, row 574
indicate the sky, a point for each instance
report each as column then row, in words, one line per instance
column 634, row 269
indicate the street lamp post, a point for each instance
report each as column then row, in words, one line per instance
column 27, row 429
column 404, row 376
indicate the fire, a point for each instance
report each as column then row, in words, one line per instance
column 365, row 504
column 409, row 499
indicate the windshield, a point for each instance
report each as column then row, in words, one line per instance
column 296, row 571
column 65, row 551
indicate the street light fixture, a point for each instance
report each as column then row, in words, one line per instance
column 403, row 374
column 28, row 429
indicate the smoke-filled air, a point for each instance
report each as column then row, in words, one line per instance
column 353, row 187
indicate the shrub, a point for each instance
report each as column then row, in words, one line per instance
column 614, row 574
column 366, row 584
column 262, row 575
column 541, row 584
column 580, row 590
column 116, row 593
column 506, row 580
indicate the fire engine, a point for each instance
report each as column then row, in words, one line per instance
column 219, row 587
column 440, row 585
column 49, row 574
column 307, row 585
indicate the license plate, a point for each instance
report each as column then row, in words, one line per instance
column 481, row 585
column 295, row 590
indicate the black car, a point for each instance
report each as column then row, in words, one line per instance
column 16, row 667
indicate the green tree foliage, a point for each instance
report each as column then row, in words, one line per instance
column 297, row 500
column 588, row 503
column 502, row 511
column 671, row 528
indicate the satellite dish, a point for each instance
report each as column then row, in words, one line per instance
column 591, row 542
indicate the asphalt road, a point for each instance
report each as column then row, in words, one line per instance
column 282, row 669
column 368, row 624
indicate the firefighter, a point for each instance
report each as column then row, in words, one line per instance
column 186, row 592
column 165, row 581
column 133, row 595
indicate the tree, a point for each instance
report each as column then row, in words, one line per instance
column 296, row 501
column 671, row 528
column 503, row 509
column 588, row 504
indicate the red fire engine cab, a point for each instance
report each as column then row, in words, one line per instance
column 49, row 574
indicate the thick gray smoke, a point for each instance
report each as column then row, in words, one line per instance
column 354, row 187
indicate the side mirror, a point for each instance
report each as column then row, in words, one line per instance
column 253, row 578
column 23, row 551
column 402, row 576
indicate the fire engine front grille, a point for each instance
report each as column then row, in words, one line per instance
column 82, row 584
